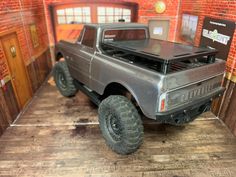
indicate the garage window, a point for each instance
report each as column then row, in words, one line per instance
column 189, row 27
column 111, row 14
column 74, row 15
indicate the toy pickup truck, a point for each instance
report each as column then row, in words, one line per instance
column 127, row 75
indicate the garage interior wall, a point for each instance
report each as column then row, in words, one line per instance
column 24, row 19
column 19, row 15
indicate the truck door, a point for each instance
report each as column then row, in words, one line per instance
column 84, row 54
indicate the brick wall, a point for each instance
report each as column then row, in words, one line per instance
column 216, row 9
column 16, row 16
column 146, row 12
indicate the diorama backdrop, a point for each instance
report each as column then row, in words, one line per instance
column 29, row 30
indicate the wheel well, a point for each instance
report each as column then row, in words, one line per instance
column 59, row 56
column 118, row 89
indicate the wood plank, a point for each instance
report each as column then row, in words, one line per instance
column 5, row 118
column 32, row 75
column 57, row 136
column 227, row 112
column 230, row 117
column 11, row 102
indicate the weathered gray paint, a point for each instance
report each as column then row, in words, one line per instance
column 96, row 71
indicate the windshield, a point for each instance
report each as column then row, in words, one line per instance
column 124, row 35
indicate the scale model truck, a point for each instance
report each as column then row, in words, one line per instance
column 128, row 74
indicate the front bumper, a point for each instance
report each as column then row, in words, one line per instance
column 189, row 112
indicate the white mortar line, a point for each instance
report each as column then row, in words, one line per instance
column 51, row 125
column 87, row 123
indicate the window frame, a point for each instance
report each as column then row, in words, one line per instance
column 182, row 37
column 114, row 15
column 83, row 16
column 79, row 39
column 145, row 29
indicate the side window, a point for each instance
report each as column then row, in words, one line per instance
column 89, row 37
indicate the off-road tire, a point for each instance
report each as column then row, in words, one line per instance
column 126, row 137
column 63, row 79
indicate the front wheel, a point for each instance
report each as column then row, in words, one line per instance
column 63, row 79
column 120, row 124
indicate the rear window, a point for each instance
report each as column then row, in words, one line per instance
column 124, row 34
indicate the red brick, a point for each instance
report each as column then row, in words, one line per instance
column 216, row 9
column 32, row 12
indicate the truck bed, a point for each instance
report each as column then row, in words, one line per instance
column 167, row 56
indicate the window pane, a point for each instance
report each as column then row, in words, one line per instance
column 61, row 12
column 109, row 19
column 126, row 12
column 101, row 11
column 189, row 26
column 78, row 11
column 70, row 19
column 86, row 10
column 118, row 11
column 61, row 20
column 116, row 18
column 87, row 19
column 126, row 18
column 78, row 19
column 101, row 19
column 69, row 11
column 110, row 14
column 89, row 37
column 109, row 11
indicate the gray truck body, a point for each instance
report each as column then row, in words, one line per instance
column 96, row 71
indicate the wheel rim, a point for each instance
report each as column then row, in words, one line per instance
column 113, row 126
column 61, row 80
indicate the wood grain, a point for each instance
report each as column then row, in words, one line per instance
column 5, row 118
column 228, row 105
column 59, row 136
column 11, row 102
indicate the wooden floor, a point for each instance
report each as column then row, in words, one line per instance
column 57, row 136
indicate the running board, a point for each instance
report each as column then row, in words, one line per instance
column 94, row 97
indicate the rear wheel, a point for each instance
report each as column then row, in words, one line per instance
column 63, row 79
column 120, row 124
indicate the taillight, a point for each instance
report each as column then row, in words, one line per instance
column 162, row 105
